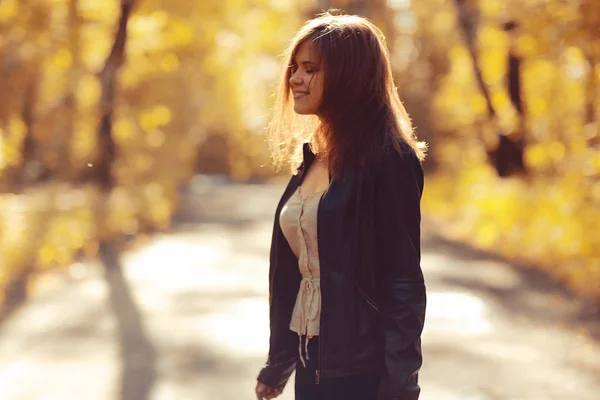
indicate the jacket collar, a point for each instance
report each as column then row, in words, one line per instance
column 307, row 154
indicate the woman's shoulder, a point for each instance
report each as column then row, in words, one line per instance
column 397, row 165
column 397, row 156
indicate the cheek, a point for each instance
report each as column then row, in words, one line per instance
column 321, row 84
column 318, row 88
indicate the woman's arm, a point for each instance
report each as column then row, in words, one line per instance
column 283, row 343
column 401, row 285
column 276, row 373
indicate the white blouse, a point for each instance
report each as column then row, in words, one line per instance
column 298, row 221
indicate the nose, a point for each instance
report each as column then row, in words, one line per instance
column 295, row 79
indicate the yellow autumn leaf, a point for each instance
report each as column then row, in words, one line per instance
column 155, row 138
column 8, row 10
column 527, row 45
column 180, row 33
column 17, row 129
column 63, row 59
column 478, row 104
column 556, row 150
column 596, row 162
column 84, row 139
column 492, row 7
column 538, row 106
column 169, row 62
column 124, row 130
column 535, row 155
column 47, row 255
column 88, row 91
column 162, row 115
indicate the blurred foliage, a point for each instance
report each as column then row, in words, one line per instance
column 550, row 215
column 193, row 95
column 193, row 71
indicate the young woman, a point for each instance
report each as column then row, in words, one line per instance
column 347, row 296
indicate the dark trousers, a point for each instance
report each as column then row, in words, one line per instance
column 355, row 387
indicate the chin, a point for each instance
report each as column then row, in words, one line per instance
column 303, row 111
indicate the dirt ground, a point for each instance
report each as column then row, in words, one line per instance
column 187, row 318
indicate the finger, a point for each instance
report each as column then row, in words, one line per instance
column 260, row 390
column 274, row 393
column 268, row 394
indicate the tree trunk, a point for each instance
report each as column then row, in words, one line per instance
column 74, row 76
column 468, row 21
column 15, row 293
column 507, row 156
column 108, row 79
column 591, row 92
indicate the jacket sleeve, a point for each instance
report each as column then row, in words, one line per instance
column 283, row 343
column 278, row 368
column 401, row 294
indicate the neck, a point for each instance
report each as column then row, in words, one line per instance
column 319, row 145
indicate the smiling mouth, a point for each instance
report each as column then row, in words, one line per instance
column 298, row 95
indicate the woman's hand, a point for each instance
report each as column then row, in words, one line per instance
column 264, row 392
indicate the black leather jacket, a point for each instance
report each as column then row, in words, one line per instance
column 372, row 287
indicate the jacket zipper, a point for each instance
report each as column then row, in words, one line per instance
column 318, row 371
column 320, row 350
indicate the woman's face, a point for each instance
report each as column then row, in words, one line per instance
column 306, row 80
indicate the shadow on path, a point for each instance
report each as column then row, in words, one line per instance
column 533, row 293
column 138, row 355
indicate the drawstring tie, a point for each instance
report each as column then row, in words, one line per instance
column 309, row 309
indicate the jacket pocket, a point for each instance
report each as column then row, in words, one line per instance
column 365, row 336
column 367, row 299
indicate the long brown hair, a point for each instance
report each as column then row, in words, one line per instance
column 360, row 108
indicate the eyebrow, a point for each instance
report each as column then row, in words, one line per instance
column 305, row 62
